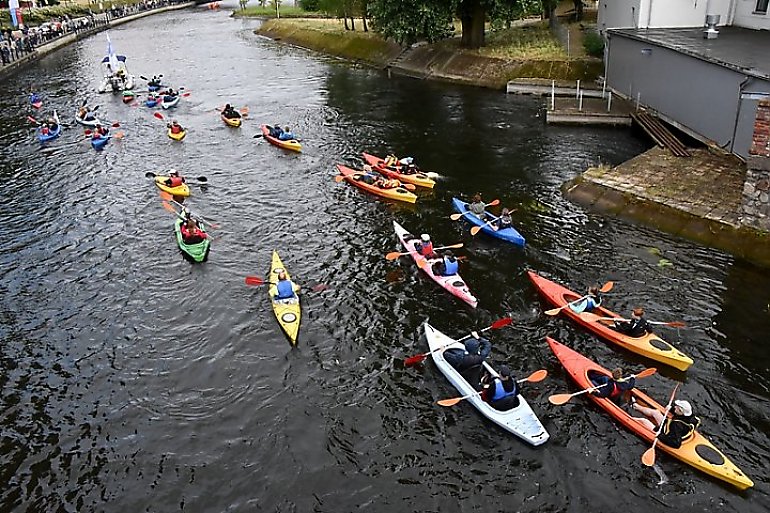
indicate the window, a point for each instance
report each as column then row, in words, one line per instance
column 761, row 6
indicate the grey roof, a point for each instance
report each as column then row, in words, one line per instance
column 744, row 50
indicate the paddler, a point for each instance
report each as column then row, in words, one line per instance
column 677, row 428
column 504, row 221
column 468, row 361
column 447, row 266
column 284, row 288
column 425, row 247
column 175, row 127
column 477, row 206
column 592, row 301
column 614, row 388
column 286, row 134
column 191, row 232
column 174, row 178
column 502, row 392
column 636, row 327
column 230, row 113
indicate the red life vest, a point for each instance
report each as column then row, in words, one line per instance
column 176, row 181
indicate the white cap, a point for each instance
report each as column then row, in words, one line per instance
column 172, row 171
column 684, row 406
column 425, row 237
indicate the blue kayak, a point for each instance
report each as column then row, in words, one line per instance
column 50, row 135
column 100, row 142
column 507, row 234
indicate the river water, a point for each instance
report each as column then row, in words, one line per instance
column 135, row 381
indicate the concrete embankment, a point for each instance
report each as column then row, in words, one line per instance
column 54, row 45
column 428, row 61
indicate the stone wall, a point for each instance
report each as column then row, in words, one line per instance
column 756, row 188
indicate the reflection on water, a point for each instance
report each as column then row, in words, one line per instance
column 135, row 381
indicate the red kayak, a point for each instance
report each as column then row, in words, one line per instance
column 650, row 345
column 695, row 451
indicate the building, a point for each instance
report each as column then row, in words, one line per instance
column 705, row 80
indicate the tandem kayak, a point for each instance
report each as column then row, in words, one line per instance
column 292, row 144
column 454, row 284
column 507, row 234
column 53, row 134
column 695, row 451
column 234, row 122
column 100, row 142
column 167, row 104
column 521, row 420
column 287, row 311
column 177, row 137
column 178, row 191
column 650, row 345
column 198, row 251
column 395, row 193
column 91, row 123
column 418, row 178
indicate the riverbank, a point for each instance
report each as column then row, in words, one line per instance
column 698, row 198
column 103, row 23
column 440, row 61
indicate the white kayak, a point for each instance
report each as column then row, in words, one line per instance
column 521, row 421
column 169, row 104
column 92, row 122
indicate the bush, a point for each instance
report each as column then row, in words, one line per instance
column 593, row 44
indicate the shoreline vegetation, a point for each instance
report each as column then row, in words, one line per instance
column 39, row 15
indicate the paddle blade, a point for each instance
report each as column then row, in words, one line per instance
column 554, row 311
column 158, row 115
column 258, row 136
column 432, row 175
column 408, row 186
column 647, row 372
column 675, row 324
column 320, row 287
column 254, row 280
column 493, row 203
column 648, row 458
column 87, row 132
column 150, row 174
column 450, row 402
column 185, row 95
column 168, row 206
column 116, row 124
column 559, row 399
column 537, row 376
column 166, row 196
column 500, row 323
column 414, row 360
column 393, row 255
column 202, row 179
column 119, row 135
column 475, row 230
column 607, row 287
column 455, row 217
column 339, row 178
column 32, row 120
column 244, row 111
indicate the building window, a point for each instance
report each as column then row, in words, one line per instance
column 761, row 6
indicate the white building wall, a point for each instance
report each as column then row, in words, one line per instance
column 745, row 17
column 662, row 13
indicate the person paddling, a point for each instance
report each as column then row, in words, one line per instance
column 191, row 232
column 230, row 113
column 284, row 288
column 468, row 361
column 614, row 387
column 477, row 207
column 175, row 127
column 502, row 392
column 676, row 429
column 174, row 178
column 425, row 247
column 447, row 266
column 636, row 327
column 100, row 131
column 591, row 301
column 504, row 221
column 286, row 135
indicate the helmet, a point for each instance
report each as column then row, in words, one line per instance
column 425, row 237
column 173, row 171
column 684, row 406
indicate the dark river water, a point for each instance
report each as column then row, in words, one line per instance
column 135, row 381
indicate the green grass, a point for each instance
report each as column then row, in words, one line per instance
column 531, row 42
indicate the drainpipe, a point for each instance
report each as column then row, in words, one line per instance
column 738, row 112
column 649, row 14
column 731, row 12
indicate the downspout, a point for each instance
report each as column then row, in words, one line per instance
column 649, row 14
column 731, row 13
column 738, row 112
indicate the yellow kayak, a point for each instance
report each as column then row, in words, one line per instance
column 236, row 122
column 181, row 190
column 293, row 145
column 177, row 137
column 287, row 311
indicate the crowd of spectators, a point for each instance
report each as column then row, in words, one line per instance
column 16, row 43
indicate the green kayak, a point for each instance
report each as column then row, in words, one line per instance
column 198, row 251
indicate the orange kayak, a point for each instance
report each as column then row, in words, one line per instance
column 394, row 193
column 650, row 345
column 696, row 451
column 419, row 178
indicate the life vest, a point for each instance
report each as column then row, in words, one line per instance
column 501, row 393
column 285, row 289
column 389, row 184
column 191, row 236
column 176, row 181
column 176, row 129
column 425, row 248
column 450, row 267
column 592, row 302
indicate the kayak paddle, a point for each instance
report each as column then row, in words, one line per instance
column 605, row 288
column 671, row 324
column 559, row 399
column 535, row 377
column 395, row 254
column 414, row 360
column 648, row 458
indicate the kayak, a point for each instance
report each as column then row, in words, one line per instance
column 507, row 234
column 100, row 142
column 650, row 345
column 51, row 134
column 418, row 178
column 396, row 193
column 178, row 191
column 177, row 137
column 236, row 122
column 128, row 96
column 287, row 311
column 35, row 101
column 91, row 123
column 199, row 251
column 454, row 284
column 292, row 145
column 695, row 451
column 169, row 104
column 152, row 101
column 520, row 421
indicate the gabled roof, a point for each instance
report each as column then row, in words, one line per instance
column 744, row 50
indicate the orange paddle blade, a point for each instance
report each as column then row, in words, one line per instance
column 166, row 196
column 675, row 324
column 408, row 186
column 493, row 203
column 455, row 217
column 537, row 376
column 505, row 321
column 475, row 230
column 254, row 280
column 339, row 178
column 394, row 255
column 647, row 372
column 450, row 402
column 169, row 207
column 119, row 135
column 648, row 458
column 116, row 124
column 559, row 399
column 607, row 287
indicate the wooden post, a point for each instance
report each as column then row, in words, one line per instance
column 553, row 94
column 604, row 86
column 580, row 103
column 577, row 91
column 609, row 101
